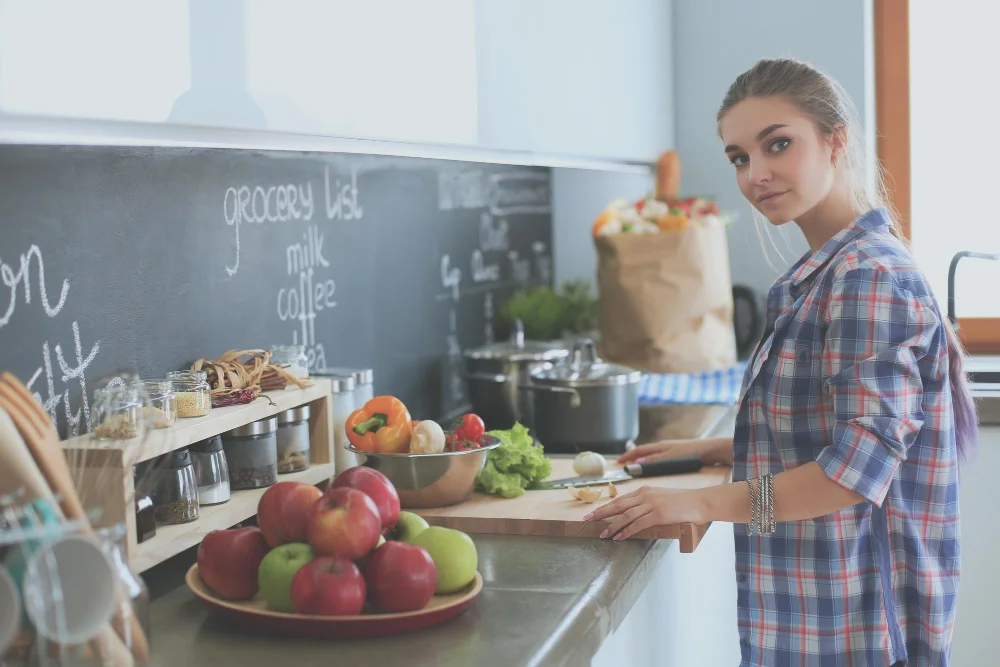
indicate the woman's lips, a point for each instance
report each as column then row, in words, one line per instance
column 771, row 198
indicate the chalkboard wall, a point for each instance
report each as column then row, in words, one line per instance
column 144, row 260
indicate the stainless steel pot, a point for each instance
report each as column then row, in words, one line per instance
column 586, row 404
column 495, row 373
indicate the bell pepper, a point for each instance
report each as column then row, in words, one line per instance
column 383, row 424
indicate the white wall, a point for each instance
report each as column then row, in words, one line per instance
column 577, row 77
column 715, row 40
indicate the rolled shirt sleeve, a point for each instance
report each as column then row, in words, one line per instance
column 877, row 335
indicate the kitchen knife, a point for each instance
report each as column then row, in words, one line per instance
column 677, row 466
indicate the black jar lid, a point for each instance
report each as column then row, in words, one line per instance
column 208, row 446
column 178, row 459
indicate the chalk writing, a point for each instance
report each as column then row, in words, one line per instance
column 342, row 198
column 274, row 203
column 451, row 277
column 22, row 277
column 519, row 193
column 311, row 294
column 493, row 237
column 461, row 190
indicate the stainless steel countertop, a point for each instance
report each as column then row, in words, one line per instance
column 547, row 601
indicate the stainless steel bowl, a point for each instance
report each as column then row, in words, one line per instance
column 431, row 480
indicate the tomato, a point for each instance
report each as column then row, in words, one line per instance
column 472, row 428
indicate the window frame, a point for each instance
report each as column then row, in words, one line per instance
column 891, row 28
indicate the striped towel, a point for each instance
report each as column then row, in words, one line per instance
column 709, row 387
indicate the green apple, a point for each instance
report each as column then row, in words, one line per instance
column 408, row 527
column 274, row 576
column 454, row 554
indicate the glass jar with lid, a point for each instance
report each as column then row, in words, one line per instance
column 364, row 378
column 293, row 439
column 194, row 397
column 161, row 403
column 211, row 471
column 176, row 489
column 117, row 412
column 188, row 375
column 292, row 357
column 252, row 454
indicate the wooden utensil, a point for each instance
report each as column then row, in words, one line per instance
column 17, row 468
column 42, row 439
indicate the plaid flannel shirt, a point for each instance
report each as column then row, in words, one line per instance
column 852, row 374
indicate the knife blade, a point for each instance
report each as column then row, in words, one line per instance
column 678, row 466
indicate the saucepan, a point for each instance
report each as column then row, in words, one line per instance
column 496, row 374
column 585, row 404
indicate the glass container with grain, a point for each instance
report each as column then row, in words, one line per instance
column 252, row 454
column 194, row 397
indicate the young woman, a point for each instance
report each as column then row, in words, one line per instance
column 854, row 413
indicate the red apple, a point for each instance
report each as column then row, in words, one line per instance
column 228, row 561
column 283, row 512
column 344, row 522
column 400, row 577
column 328, row 586
column 378, row 487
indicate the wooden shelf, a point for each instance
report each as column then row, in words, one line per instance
column 171, row 540
column 188, row 431
column 103, row 469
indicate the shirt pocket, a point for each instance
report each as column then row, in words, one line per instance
column 794, row 406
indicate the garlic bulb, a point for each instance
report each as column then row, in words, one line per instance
column 427, row 438
column 588, row 464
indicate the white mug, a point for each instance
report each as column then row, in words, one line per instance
column 69, row 589
column 10, row 610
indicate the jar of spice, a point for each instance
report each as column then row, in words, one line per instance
column 176, row 489
column 161, row 403
column 200, row 376
column 145, row 517
column 211, row 471
column 364, row 378
column 194, row 397
column 293, row 439
column 252, row 454
column 118, row 412
column 292, row 357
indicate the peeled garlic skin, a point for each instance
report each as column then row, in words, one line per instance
column 587, row 494
column 588, row 464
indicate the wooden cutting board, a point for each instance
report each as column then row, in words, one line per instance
column 556, row 513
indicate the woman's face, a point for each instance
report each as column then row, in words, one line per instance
column 784, row 166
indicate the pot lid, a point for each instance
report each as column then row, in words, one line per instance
column 586, row 369
column 520, row 349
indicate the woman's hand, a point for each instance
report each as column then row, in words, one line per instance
column 709, row 450
column 648, row 507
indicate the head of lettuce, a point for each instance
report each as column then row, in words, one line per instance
column 517, row 464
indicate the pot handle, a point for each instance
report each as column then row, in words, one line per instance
column 574, row 400
column 488, row 377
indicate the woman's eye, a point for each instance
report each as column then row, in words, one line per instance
column 739, row 160
column 779, row 145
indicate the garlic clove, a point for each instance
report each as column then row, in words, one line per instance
column 612, row 490
column 590, row 494
column 575, row 492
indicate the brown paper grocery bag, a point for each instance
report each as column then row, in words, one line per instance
column 666, row 302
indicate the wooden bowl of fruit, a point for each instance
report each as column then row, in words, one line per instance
column 345, row 562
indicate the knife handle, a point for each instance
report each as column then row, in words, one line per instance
column 678, row 466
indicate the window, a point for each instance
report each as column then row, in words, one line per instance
column 935, row 110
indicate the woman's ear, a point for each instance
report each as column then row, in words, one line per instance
column 838, row 143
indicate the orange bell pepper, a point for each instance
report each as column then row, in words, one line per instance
column 383, row 424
